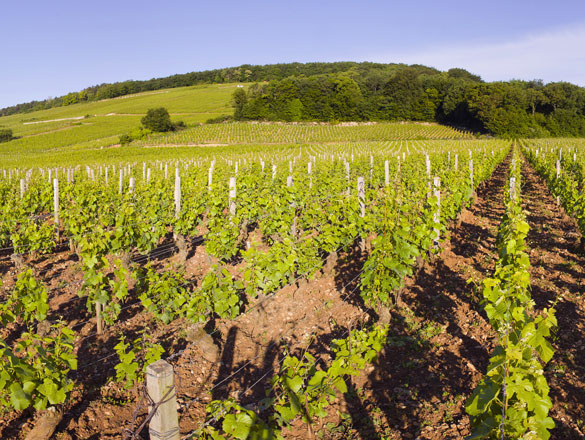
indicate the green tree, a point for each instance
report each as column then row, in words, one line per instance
column 458, row 73
column 5, row 134
column 157, row 119
column 125, row 139
column 239, row 100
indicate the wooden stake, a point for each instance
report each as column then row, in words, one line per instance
column 160, row 384
column 428, row 163
column 361, row 195
column 98, row 315
column 437, row 214
column 177, row 196
column 348, row 176
column 232, row 197
column 56, row 206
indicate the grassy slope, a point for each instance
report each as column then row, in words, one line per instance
column 102, row 128
column 49, row 141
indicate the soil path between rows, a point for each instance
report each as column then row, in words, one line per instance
column 558, row 270
column 440, row 338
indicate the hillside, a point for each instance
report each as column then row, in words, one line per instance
column 64, row 132
column 89, row 132
column 350, row 91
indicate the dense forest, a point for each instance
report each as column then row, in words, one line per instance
column 346, row 91
column 418, row 93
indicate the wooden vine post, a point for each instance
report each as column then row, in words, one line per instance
column 232, row 197
column 386, row 173
column 160, row 385
column 361, row 190
column 471, row 173
column 437, row 214
column 558, row 176
column 512, row 188
column 428, row 164
column 361, row 196
column 56, row 207
column 177, row 195
column 98, row 316
column 348, row 176
column 290, row 184
column 22, row 188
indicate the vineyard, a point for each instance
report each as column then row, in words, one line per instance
column 277, row 133
column 375, row 281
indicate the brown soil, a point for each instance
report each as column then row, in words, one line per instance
column 244, row 350
column 558, row 272
column 438, row 351
column 440, row 339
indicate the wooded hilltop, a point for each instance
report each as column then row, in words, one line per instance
column 350, row 91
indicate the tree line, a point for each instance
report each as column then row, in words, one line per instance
column 243, row 73
column 418, row 93
column 366, row 91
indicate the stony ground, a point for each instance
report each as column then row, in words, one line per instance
column 438, row 350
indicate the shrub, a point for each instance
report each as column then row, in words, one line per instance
column 125, row 139
column 5, row 134
column 157, row 119
column 140, row 133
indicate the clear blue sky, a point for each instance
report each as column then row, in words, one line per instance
column 52, row 47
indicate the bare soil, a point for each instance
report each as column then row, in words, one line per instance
column 438, row 351
column 558, row 273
